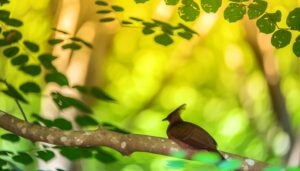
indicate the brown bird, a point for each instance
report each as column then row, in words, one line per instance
column 189, row 135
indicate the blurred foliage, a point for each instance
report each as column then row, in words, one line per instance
column 214, row 73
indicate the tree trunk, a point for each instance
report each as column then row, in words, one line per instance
column 78, row 18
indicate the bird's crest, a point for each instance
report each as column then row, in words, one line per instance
column 175, row 114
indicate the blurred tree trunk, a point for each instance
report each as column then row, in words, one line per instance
column 78, row 18
column 266, row 60
column 294, row 158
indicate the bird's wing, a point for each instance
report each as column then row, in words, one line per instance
column 192, row 135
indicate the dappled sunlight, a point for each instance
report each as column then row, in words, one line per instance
column 234, row 57
column 163, row 11
column 205, row 23
column 281, row 143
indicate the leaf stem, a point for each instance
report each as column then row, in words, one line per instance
column 21, row 109
column 18, row 103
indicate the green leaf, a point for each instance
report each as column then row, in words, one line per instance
column 2, row 163
column 46, row 60
column 185, row 35
column 62, row 123
column 57, row 77
column 104, row 20
column 104, row 11
column 20, row 60
column 105, row 157
column 85, row 152
column 171, row 2
column 70, row 153
column 3, row 42
column 206, row 158
column 5, row 153
column 293, row 168
column 276, row 16
column 85, row 121
column 296, row 47
column 189, row 12
column 30, row 87
column 74, row 153
column 126, row 22
column 186, row 28
column 117, row 8
column 33, row 47
column 234, row 12
column 77, row 39
column 211, row 5
column 12, row 36
column 238, row 0
column 165, row 27
column 230, row 164
column 257, row 8
column 3, row 2
column 273, row 168
column 23, row 158
column 100, row 94
column 163, row 39
column 167, row 30
column 55, row 41
column 64, row 102
column 293, row 19
column 136, row 19
column 101, row 3
column 175, row 164
column 281, row 38
column 140, row 1
column 10, row 137
column 81, row 89
column 179, row 154
column 153, row 24
column 45, row 155
column 72, row 46
column 267, row 23
column 147, row 30
column 46, row 122
column 12, row 92
column 14, row 22
column 32, row 70
column 11, row 51
column 4, row 14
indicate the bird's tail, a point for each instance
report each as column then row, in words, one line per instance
column 219, row 153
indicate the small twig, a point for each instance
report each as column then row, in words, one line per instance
column 21, row 109
column 123, row 25
column 18, row 104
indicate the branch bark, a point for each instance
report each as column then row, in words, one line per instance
column 124, row 143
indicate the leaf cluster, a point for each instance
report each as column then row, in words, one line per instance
column 164, row 32
column 108, row 10
column 10, row 160
column 24, row 55
column 266, row 22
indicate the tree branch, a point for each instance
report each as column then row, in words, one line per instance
column 124, row 143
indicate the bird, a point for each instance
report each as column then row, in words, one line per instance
column 189, row 135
